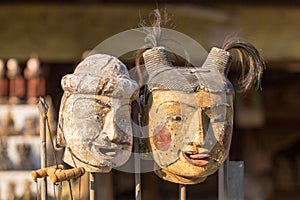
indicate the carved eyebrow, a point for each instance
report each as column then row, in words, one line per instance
column 194, row 107
column 174, row 102
column 217, row 105
column 98, row 101
column 102, row 103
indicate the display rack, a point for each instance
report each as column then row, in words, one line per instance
column 20, row 148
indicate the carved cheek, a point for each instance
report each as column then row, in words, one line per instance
column 161, row 138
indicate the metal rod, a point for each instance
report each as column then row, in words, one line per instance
column 54, row 191
column 235, row 180
column 70, row 188
column 137, row 168
column 37, row 190
column 223, row 176
column 92, row 185
column 43, row 109
column 59, row 190
column 182, row 192
column 137, row 186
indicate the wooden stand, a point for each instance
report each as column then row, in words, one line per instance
column 182, row 192
column 43, row 109
column 137, row 170
column 231, row 180
column 92, row 185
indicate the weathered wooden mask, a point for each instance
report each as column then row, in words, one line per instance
column 190, row 114
column 94, row 117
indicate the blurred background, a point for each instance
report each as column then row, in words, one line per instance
column 266, row 135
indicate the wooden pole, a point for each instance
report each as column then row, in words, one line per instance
column 92, row 185
column 43, row 109
column 182, row 192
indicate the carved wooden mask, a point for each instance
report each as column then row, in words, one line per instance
column 190, row 113
column 94, row 117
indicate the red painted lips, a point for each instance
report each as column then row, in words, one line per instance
column 198, row 159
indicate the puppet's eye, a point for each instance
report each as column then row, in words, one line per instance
column 177, row 118
column 95, row 117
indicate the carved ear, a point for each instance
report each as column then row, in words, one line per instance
column 60, row 139
column 251, row 62
column 68, row 82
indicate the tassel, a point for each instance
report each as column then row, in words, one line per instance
column 249, row 57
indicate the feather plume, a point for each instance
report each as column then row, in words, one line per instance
column 152, row 30
column 251, row 62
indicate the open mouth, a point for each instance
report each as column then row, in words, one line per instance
column 108, row 152
column 195, row 158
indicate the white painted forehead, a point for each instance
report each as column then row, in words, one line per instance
column 102, row 65
column 101, row 74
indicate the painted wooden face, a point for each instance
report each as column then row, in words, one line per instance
column 190, row 115
column 190, row 133
column 98, row 130
column 94, row 119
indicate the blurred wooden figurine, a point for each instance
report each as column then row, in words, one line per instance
column 16, row 81
column 35, row 85
column 30, row 126
column 24, row 151
column 5, row 162
column 27, row 193
column 8, row 125
column 11, row 191
column 3, row 83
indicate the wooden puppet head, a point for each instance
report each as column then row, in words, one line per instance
column 94, row 117
column 190, row 115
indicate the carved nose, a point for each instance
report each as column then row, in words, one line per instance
column 196, row 132
column 109, row 128
column 199, row 138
